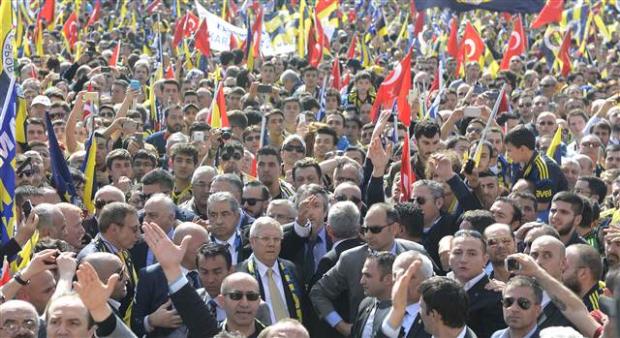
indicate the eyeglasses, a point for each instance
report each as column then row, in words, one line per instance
column 473, row 130
column 252, row 138
column 57, row 116
column 374, row 229
column 251, row 201
column 26, row 173
column 528, row 105
column 14, row 326
column 101, row 203
column 108, row 114
column 523, row 303
column 419, row 200
column 354, row 199
column 547, row 85
column 546, row 123
column 290, row 147
column 228, row 156
column 250, row 295
column 590, row 144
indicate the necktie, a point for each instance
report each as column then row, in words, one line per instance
column 277, row 304
column 212, row 308
column 192, row 278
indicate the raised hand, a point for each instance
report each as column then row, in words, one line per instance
column 26, row 228
column 168, row 254
column 43, row 260
column 94, row 293
column 380, row 157
column 67, row 264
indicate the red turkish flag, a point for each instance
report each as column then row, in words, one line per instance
column 336, row 82
column 407, row 176
column 516, row 44
column 563, row 54
column 452, row 48
column 202, row 39
column 94, row 16
column 392, row 87
column 115, row 55
column 70, row 30
column 47, row 12
column 552, row 12
column 472, row 45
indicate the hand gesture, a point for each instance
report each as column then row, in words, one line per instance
column 527, row 265
column 401, row 286
column 379, row 156
column 26, row 228
column 162, row 317
column 167, row 253
column 442, row 166
column 381, row 123
column 124, row 184
column 43, row 260
column 92, row 291
column 66, row 263
column 612, row 234
column 306, row 208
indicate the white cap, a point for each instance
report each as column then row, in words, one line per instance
column 41, row 99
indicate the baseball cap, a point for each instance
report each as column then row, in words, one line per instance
column 41, row 99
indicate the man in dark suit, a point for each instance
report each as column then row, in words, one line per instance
column 468, row 257
column 404, row 319
column 377, row 283
column 193, row 311
column 343, row 224
column 306, row 240
column 280, row 283
column 118, row 232
column 521, row 299
column 105, row 195
column 152, row 314
column 223, row 211
column 443, row 308
column 380, row 228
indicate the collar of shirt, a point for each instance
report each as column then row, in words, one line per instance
column 427, row 230
column 461, row 334
column 114, row 303
column 392, row 250
column 262, row 268
column 110, row 246
column 230, row 241
column 473, row 281
column 545, row 299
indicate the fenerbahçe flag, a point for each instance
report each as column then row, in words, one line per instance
column 510, row 6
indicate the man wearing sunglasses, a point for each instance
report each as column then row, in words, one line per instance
column 521, row 307
column 231, row 156
column 240, row 298
column 379, row 230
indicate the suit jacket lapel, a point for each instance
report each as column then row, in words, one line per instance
column 415, row 327
column 290, row 304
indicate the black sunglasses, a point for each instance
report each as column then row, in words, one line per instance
column 375, row 229
column 419, row 200
column 523, row 303
column 251, row 201
column 290, row 147
column 250, row 295
column 26, row 173
column 252, row 138
column 353, row 199
column 228, row 156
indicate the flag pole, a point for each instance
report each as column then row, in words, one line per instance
column 485, row 131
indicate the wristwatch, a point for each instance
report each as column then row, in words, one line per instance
column 18, row 278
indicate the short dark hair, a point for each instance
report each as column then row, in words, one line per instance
column 412, row 218
column 117, row 154
column 479, row 219
column 572, row 198
column 590, row 259
column 427, row 129
column 596, row 185
column 521, row 136
column 159, row 175
column 329, row 131
column 517, row 214
column 186, row 149
column 145, row 155
column 114, row 212
column 527, row 282
column 269, row 151
column 448, row 298
column 212, row 250
column 237, row 118
column 463, row 233
column 306, row 163
column 384, row 260
column 263, row 189
column 524, row 195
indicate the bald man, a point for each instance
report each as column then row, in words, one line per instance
column 500, row 244
column 240, row 298
column 550, row 254
column 39, row 291
column 150, row 313
column 106, row 264
column 285, row 328
column 22, row 316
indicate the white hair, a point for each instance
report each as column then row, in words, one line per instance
column 263, row 222
column 560, row 332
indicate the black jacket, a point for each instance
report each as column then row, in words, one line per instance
column 194, row 313
column 363, row 313
column 485, row 310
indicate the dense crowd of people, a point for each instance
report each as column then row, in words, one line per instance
column 161, row 192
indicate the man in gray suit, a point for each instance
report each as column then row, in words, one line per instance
column 379, row 230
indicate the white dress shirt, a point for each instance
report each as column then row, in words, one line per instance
column 262, row 271
column 411, row 312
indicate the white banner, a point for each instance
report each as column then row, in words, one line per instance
column 220, row 31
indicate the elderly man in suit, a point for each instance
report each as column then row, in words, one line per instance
column 468, row 257
column 343, row 226
column 306, row 240
column 380, row 229
column 152, row 314
column 404, row 317
column 224, row 214
column 377, row 283
column 280, row 283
